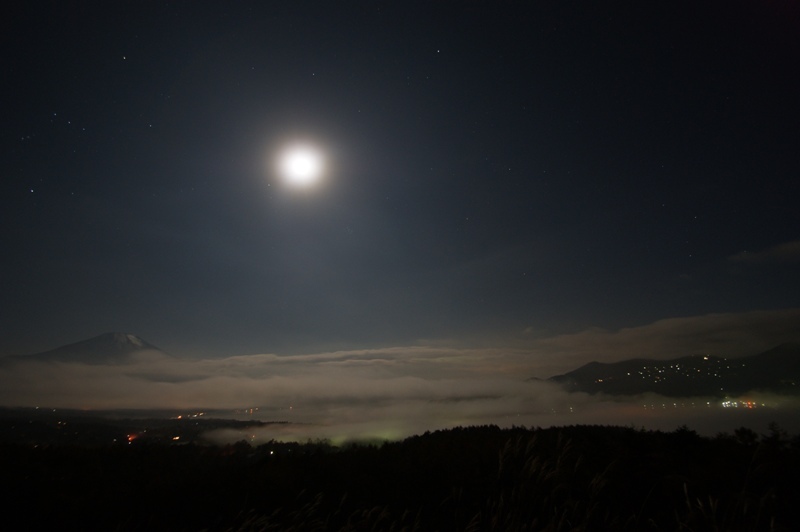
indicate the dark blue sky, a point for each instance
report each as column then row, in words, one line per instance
column 498, row 170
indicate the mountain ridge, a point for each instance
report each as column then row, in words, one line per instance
column 776, row 370
column 107, row 348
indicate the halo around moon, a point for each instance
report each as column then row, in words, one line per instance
column 301, row 165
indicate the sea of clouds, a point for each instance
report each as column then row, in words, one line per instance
column 393, row 392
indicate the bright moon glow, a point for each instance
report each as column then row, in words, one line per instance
column 301, row 165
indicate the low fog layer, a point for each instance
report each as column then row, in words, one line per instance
column 399, row 391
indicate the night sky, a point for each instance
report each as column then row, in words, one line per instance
column 497, row 174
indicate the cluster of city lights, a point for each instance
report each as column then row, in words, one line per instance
column 741, row 404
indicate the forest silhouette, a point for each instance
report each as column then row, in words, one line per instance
column 465, row 478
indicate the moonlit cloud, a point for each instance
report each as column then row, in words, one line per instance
column 781, row 253
column 728, row 335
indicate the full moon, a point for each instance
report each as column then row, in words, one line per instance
column 301, row 165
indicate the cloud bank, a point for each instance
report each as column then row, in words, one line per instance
column 787, row 252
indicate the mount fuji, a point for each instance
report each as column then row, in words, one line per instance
column 109, row 348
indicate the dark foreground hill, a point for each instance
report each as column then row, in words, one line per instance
column 478, row 478
column 776, row 370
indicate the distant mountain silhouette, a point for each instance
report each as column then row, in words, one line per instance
column 776, row 370
column 109, row 348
